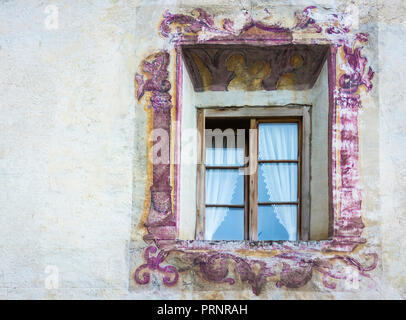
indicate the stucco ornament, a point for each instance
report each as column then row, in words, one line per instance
column 286, row 264
column 142, row 274
column 158, row 83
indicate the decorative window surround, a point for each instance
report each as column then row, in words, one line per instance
column 287, row 264
column 218, row 61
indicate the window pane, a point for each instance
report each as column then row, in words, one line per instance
column 224, row 186
column 224, row 156
column 277, row 222
column 224, row 224
column 277, row 182
column 278, row 141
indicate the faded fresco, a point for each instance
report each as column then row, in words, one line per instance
column 289, row 265
column 86, row 214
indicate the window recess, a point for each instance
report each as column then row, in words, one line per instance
column 253, row 174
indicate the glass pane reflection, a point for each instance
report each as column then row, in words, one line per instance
column 278, row 141
column 224, row 156
column 275, row 222
column 224, row 224
column 224, row 186
column 277, row 182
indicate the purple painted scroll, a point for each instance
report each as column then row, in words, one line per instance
column 161, row 222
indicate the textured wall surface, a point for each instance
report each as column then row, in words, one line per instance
column 73, row 146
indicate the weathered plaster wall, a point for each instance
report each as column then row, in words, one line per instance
column 67, row 146
column 73, row 162
column 390, row 207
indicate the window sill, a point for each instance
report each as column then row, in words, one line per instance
column 248, row 245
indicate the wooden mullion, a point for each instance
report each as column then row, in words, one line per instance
column 269, row 203
column 246, row 190
column 253, row 179
column 225, row 205
column 278, row 161
column 224, row 167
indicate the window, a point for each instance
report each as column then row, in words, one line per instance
column 253, row 179
column 219, row 86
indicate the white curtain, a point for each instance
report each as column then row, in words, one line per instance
column 220, row 185
column 278, row 141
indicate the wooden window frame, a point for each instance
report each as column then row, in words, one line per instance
column 290, row 113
